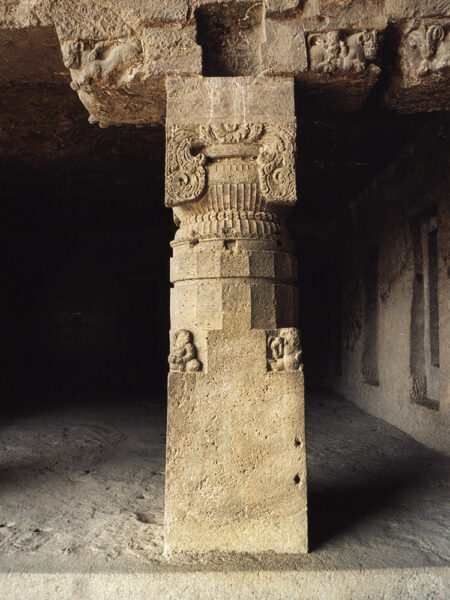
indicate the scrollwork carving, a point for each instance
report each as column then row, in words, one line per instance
column 183, row 353
column 284, row 352
column 269, row 166
column 276, row 163
column 185, row 172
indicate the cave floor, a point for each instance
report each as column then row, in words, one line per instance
column 82, row 500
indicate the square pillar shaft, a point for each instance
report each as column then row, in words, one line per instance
column 236, row 462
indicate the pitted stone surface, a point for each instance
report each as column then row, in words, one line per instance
column 234, row 480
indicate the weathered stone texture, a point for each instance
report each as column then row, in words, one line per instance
column 336, row 50
column 236, row 470
column 423, row 80
column 40, row 59
column 284, row 48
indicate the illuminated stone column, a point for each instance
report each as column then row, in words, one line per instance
column 236, row 466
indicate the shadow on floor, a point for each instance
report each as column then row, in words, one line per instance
column 362, row 470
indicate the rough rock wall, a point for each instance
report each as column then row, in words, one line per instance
column 390, row 344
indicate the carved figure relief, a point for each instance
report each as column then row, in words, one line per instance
column 429, row 48
column 110, row 61
column 183, row 353
column 284, row 352
column 333, row 51
column 326, row 52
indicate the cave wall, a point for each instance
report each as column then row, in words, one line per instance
column 388, row 321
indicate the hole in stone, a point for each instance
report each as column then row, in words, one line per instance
column 193, row 243
column 195, row 149
column 230, row 245
column 297, row 479
column 145, row 518
column 297, row 442
column 230, row 36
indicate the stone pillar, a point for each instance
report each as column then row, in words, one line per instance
column 236, row 466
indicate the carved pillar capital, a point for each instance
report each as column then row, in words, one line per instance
column 258, row 154
column 230, row 175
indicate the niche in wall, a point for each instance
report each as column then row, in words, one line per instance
column 230, row 35
column 424, row 359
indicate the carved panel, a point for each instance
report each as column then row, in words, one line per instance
column 428, row 48
column 239, row 149
column 183, row 353
column 284, row 352
column 111, row 61
column 336, row 51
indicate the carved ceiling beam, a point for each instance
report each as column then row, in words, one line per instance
column 120, row 54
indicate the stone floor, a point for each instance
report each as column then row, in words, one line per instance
column 81, row 504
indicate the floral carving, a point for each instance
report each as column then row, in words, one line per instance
column 186, row 161
column 185, row 172
column 183, row 353
column 276, row 162
column 284, row 352
column 429, row 48
column 230, row 133
column 333, row 51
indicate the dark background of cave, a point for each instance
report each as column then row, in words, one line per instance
column 85, row 294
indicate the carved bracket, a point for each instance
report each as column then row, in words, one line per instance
column 428, row 48
column 109, row 61
column 336, row 51
column 284, row 352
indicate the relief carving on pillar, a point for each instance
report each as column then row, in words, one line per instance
column 269, row 148
column 428, row 48
column 185, row 170
column 284, row 352
column 183, row 353
column 230, row 133
column 110, row 61
column 336, row 51
column 276, row 162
